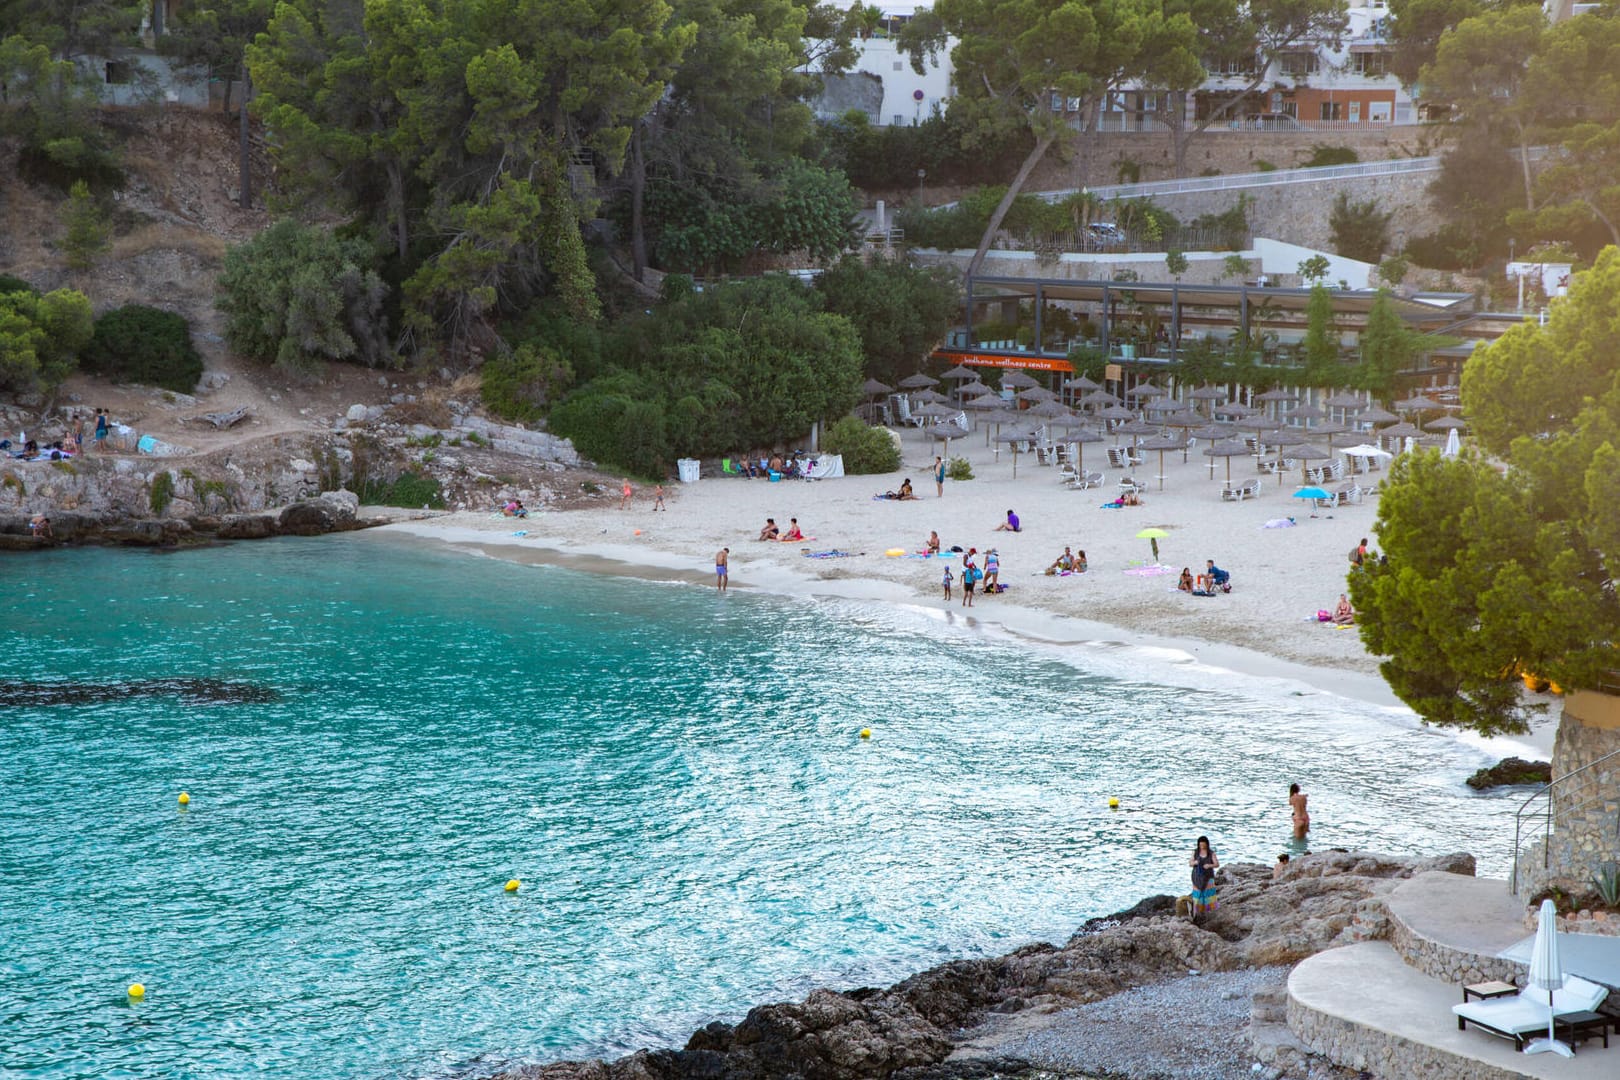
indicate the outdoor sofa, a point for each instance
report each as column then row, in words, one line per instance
column 1524, row 1015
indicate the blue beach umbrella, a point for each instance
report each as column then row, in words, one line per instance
column 1311, row 493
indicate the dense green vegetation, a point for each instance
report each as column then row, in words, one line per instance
column 136, row 343
column 1493, row 573
column 297, row 296
column 865, row 449
column 41, row 337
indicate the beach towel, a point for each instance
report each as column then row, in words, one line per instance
column 521, row 532
column 1150, row 570
column 832, row 554
column 1279, row 523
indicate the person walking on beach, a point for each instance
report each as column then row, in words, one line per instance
column 1204, row 863
column 624, row 503
column 658, row 498
column 939, row 476
column 721, row 561
column 1302, row 816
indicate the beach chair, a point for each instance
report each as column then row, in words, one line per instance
column 728, row 468
column 1252, row 488
column 1091, row 480
column 1232, row 493
column 1524, row 1015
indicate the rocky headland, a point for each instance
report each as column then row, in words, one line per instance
column 1144, row 993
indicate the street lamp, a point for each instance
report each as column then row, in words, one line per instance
column 922, row 174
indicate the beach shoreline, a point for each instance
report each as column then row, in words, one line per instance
column 1265, row 629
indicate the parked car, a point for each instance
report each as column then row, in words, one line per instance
column 1105, row 232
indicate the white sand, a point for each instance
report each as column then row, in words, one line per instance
column 1266, row 625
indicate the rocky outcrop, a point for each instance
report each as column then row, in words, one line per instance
column 1510, row 772
column 332, row 511
column 911, row 1030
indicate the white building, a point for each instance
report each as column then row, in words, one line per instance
column 882, row 83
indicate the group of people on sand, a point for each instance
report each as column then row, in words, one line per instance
column 1070, row 562
column 1211, row 582
column 791, row 467
column 985, row 580
column 772, row 531
column 1205, row 863
column 905, row 494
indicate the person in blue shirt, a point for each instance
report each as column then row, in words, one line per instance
column 1217, row 577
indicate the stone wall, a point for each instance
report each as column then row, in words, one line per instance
column 1447, row 963
column 1586, row 808
column 1380, row 1053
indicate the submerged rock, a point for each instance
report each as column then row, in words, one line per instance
column 189, row 691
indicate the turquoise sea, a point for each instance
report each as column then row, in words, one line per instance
column 677, row 778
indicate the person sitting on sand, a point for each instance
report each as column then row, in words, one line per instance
column 793, row 532
column 775, row 464
column 514, row 508
column 1064, row 562
column 1343, row 613
column 933, row 542
column 1218, row 578
column 40, row 526
column 905, row 489
column 1186, row 582
column 1011, row 524
column 1080, row 562
column 770, row 531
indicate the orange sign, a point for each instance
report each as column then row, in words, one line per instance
column 1006, row 360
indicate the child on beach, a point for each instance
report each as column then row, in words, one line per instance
column 658, row 497
column 624, row 503
column 949, row 577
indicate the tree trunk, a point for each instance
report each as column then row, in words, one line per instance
column 230, row 84
column 638, row 191
column 1042, row 144
column 1524, row 167
column 396, row 209
column 245, row 178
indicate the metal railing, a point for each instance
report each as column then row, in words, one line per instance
column 1528, row 813
column 1316, row 175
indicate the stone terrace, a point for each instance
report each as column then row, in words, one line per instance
column 1385, row 1007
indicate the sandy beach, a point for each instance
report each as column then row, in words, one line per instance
column 1266, row 625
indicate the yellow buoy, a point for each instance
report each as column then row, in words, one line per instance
column 185, row 800
column 866, row 733
column 137, row 991
column 512, row 886
column 1113, row 803
column 895, row 553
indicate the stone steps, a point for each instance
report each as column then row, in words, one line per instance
column 1452, row 927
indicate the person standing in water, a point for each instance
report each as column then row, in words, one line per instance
column 1302, row 817
column 721, row 568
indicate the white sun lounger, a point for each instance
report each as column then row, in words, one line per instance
column 1525, row 1014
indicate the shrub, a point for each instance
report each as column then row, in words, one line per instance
column 296, row 296
column 959, row 468
column 1331, row 155
column 10, row 284
column 142, row 344
column 1360, row 229
column 519, row 385
column 409, row 489
column 162, row 493
column 865, row 449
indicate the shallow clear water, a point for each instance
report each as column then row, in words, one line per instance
column 676, row 777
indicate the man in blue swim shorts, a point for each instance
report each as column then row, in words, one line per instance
column 720, row 575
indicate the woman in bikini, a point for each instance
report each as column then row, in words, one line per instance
column 1302, row 817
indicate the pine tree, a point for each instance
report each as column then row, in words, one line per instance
column 87, row 228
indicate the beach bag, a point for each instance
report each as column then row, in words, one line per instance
column 972, row 574
column 1323, row 615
